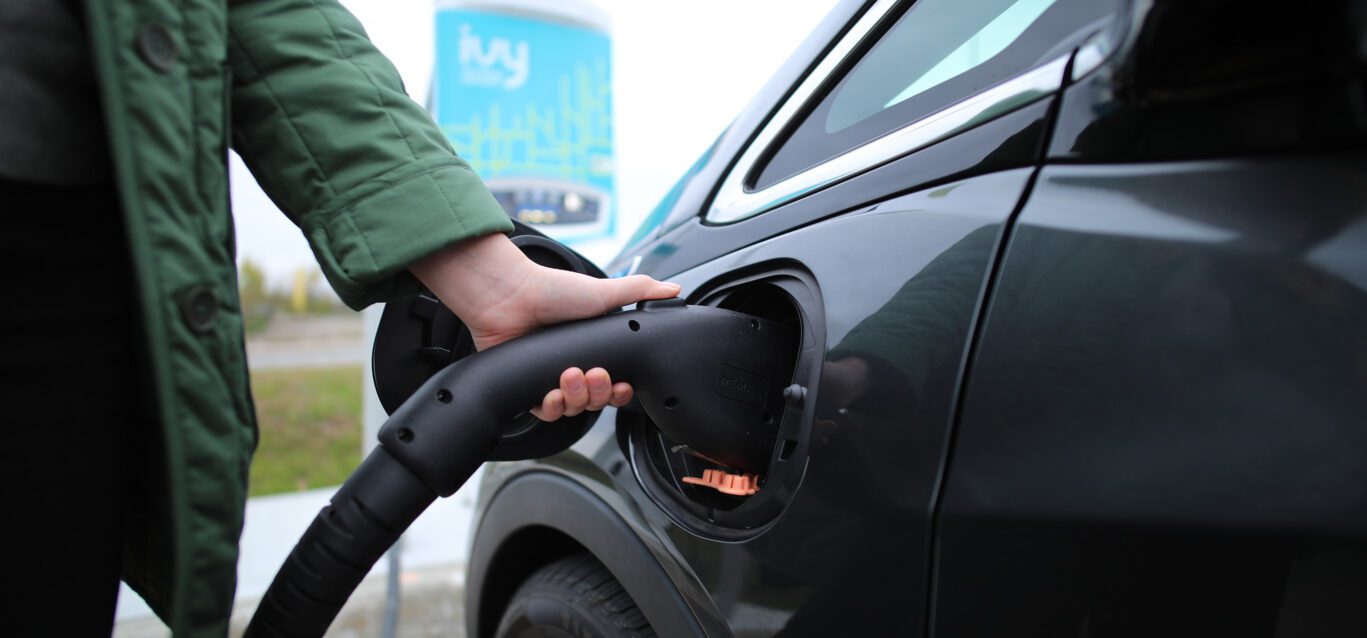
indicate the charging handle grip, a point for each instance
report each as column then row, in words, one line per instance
column 705, row 375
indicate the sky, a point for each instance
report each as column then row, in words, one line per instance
column 681, row 71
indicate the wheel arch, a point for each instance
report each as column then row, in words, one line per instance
column 539, row 517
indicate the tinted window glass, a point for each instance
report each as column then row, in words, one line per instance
column 937, row 53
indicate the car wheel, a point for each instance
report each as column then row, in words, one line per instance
column 573, row 597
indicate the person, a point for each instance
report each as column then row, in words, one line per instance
column 130, row 423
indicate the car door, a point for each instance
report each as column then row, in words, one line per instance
column 866, row 210
column 1164, row 431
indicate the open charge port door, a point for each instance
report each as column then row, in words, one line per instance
column 670, row 472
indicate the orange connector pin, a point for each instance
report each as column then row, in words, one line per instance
column 726, row 483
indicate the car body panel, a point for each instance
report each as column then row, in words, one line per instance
column 1179, row 317
column 1164, row 428
column 862, row 515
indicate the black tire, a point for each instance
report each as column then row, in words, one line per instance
column 573, row 597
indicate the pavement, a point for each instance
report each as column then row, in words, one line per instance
column 432, row 560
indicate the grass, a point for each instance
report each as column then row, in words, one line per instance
column 310, row 420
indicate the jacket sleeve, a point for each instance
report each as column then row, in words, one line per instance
column 322, row 120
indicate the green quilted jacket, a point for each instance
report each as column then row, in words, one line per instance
column 324, row 124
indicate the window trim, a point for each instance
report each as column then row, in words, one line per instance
column 735, row 202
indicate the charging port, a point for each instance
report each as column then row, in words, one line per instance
column 703, row 494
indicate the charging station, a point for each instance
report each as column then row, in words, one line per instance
column 523, row 89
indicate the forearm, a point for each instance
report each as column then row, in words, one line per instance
column 474, row 275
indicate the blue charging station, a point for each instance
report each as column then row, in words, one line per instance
column 523, row 89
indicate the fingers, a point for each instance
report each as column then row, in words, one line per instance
column 580, row 391
column 552, row 406
column 629, row 290
column 621, row 394
column 600, row 388
column 575, row 390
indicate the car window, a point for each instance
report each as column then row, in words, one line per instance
column 936, row 53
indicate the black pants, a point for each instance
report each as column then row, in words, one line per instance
column 69, row 392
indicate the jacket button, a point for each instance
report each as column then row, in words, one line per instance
column 199, row 309
column 158, row 47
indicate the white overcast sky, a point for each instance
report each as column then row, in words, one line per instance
column 682, row 70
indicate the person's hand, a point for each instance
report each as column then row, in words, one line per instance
column 580, row 391
column 500, row 294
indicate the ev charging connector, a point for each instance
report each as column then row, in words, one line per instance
column 709, row 378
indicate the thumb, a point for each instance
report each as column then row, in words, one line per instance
column 628, row 290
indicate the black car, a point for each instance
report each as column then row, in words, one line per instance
column 1079, row 294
